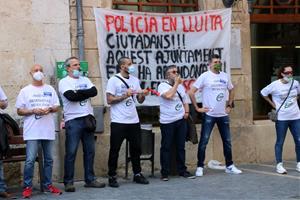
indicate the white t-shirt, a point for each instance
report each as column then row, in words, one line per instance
column 279, row 91
column 214, row 88
column 75, row 109
column 2, row 95
column 173, row 109
column 38, row 127
column 125, row 111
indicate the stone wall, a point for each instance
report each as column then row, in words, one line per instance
column 32, row 31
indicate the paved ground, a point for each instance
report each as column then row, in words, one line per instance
column 259, row 181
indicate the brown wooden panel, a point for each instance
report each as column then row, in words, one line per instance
column 275, row 18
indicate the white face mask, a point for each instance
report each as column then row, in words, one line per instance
column 287, row 78
column 38, row 76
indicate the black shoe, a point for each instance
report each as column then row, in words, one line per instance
column 187, row 174
column 95, row 184
column 5, row 195
column 112, row 182
column 69, row 187
column 139, row 178
column 164, row 177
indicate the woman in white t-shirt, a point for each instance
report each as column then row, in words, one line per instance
column 285, row 92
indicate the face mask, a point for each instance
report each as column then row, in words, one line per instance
column 38, row 76
column 131, row 69
column 287, row 79
column 218, row 67
column 76, row 73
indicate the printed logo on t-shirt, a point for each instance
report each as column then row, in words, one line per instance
column 83, row 103
column 178, row 107
column 220, row 97
column 48, row 94
column 222, row 81
column 288, row 103
column 129, row 102
column 37, row 116
column 81, row 86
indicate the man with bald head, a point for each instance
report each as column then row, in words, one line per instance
column 36, row 103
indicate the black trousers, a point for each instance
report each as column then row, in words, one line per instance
column 119, row 132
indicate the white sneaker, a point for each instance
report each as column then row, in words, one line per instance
column 280, row 169
column 232, row 170
column 298, row 167
column 199, row 171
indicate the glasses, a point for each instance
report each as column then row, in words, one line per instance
column 288, row 73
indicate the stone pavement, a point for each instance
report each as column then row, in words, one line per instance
column 258, row 181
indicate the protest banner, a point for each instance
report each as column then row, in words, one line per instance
column 156, row 40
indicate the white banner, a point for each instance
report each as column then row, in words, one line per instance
column 156, row 40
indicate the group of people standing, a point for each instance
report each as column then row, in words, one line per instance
column 38, row 101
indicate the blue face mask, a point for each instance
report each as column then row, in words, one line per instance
column 76, row 73
column 131, row 69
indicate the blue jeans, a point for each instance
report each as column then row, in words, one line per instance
column 31, row 154
column 281, row 130
column 76, row 132
column 207, row 126
column 3, row 186
column 173, row 132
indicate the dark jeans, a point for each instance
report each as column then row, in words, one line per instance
column 173, row 132
column 281, row 130
column 207, row 126
column 75, row 132
column 3, row 186
column 119, row 132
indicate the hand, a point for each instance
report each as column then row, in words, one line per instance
column 129, row 92
column 38, row 111
column 145, row 92
column 186, row 115
column 178, row 80
column 202, row 110
column 62, row 124
column 228, row 109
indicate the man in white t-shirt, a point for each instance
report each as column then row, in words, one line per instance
column 174, row 110
column 76, row 92
column 216, row 88
column 3, row 187
column 122, row 91
column 37, row 102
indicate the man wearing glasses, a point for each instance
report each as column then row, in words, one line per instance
column 174, row 109
column 215, row 86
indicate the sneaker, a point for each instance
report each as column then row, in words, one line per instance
column 280, row 169
column 5, row 194
column 95, row 184
column 298, row 167
column 139, row 178
column 27, row 192
column 199, row 171
column 69, row 187
column 54, row 190
column 164, row 177
column 112, row 182
column 232, row 170
column 187, row 174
